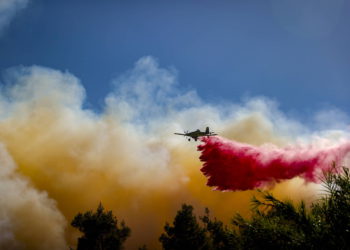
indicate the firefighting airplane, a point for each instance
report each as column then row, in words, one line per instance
column 196, row 134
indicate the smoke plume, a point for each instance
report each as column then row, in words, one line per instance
column 67, row 158
column 29, row 219
column 235, row 166
column 8, row 9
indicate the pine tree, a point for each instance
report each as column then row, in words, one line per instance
column 332, row 212
column 221, row 237
column 275, row 224
column 100, row 230
column 185, row 233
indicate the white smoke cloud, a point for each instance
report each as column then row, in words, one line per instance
column 126, row 156
column 332, row 118
column 28, row 218
column 308, row 18
column 148, row 91
column 8, row 9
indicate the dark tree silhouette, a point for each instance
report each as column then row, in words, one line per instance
column 221, row 237
column 279, row 224
column 144, row 247
column 332, row 212
column 275, row 225
column 185, row 233
column 100, row 230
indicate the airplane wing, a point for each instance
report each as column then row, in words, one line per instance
column 179, row 134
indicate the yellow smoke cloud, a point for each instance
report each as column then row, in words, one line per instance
column 22, row 208
column 66, row 159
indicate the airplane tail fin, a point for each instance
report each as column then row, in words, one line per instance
column 207, row 130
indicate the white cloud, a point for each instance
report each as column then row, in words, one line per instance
column 29, row 219
column 8, row 9
column 126, row 157
column 147, row 91
column 308, row 18
column 332, row 118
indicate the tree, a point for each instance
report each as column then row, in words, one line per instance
column 332, row 212
column 221, row 237
column 279, row 224
column 100, row 230
column 275, row 225
column 185, row 233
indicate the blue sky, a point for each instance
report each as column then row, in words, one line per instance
column 294, row 52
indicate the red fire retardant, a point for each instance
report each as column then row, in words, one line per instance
column 230, row 165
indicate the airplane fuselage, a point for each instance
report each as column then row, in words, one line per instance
column 197, row 133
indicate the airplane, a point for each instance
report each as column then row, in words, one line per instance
column 197, row 133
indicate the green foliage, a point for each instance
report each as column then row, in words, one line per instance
column 279, row 224
column 332, row 212
column 100, row 230
column 221, row 237
column 185, row 233
column 275, row 225
column 144, row 247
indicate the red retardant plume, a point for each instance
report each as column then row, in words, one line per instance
column 230, row 165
